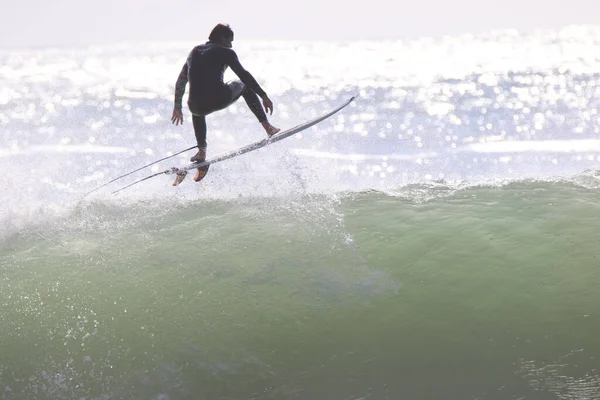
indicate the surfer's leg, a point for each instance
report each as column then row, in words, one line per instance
column 199, row 122
column 253, row 102
column 220, row 99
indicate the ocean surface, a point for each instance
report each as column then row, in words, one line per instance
column 437, row 239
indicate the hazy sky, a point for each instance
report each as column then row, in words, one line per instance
column 68, row 22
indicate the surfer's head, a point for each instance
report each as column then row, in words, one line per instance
column 222, row 34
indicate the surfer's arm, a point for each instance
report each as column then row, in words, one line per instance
column 180, row 86
column 245, row 76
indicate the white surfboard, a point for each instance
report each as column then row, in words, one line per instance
column 181, row 171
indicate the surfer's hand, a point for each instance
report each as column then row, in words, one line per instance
column 177, row 117
column 268, row 104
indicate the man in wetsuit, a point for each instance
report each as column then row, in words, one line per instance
column 204, row 71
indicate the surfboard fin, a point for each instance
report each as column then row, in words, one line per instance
column 180, row 175
column 201, row 173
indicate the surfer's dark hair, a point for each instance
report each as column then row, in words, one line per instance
column 220, row 31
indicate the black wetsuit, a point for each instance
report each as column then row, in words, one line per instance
column 204, row 70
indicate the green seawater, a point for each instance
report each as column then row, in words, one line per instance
column 436, row 239
column 424, row 293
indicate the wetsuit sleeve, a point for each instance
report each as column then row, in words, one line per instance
column 245, row 76
column 180, row 86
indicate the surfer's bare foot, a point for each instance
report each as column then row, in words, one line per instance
column 200, row 155
column 270, row 129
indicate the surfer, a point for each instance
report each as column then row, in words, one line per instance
column 204, row 69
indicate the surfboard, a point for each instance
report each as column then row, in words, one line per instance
column 182, row 171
